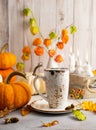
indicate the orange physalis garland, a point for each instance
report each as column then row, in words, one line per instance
column 26, row 49
column 39, row 51
column 60, row 45
column 64, row 32
column 51, row 52
column 59, row 59
column 41, row 43
column 48, row 42
column 26, row 53
column 65, row 39
column 37, row 41
column 53, row 44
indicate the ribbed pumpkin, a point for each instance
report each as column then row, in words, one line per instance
column 6, row 72
column 7, row 59
column 14, row 95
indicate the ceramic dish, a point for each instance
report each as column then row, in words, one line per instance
column 42, row 106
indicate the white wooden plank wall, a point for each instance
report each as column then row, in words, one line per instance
column 51, row 15
column 4, row 34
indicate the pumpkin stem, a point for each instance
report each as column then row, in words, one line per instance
column 39, row 65
column 13, row 74
column 5, row 46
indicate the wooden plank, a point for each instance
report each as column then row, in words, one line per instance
column 16, row 40
column 3, row 22
column 93, row 34
column 83, row 38
column 34, row 5
column 47, row 24
column 50, row 14
column 65, row 18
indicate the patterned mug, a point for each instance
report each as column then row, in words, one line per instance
column 57, row 86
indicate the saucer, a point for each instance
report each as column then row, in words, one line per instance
column 42, row 106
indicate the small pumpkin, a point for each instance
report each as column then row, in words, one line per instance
column 14, row 95
column 7, row 59
column 40, row 83
column 6, row 72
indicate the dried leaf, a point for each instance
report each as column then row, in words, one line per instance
column 26, row 110
column 49, row 124
column 11, row 120
column 79, row 115
column 4, row 112
column 69, row 107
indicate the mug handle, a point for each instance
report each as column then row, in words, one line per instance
column 34, row 83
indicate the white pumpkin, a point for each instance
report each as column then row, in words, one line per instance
column 1, row 79
column 40, row 83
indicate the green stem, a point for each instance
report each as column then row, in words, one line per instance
column 5, row 46
column 13, row 74
column 41, row 35
column 68, row 26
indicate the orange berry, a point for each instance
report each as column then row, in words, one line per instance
column 26, row 49
column 20, row 66
column 65, row 39
column 60, row 45
column 59, row 59
column 64, row 32
column 37, row 41
column 39, row 51
column 51, row 52
column 47, row 42
column 25, row 56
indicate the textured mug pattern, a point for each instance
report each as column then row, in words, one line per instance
column 57, row 86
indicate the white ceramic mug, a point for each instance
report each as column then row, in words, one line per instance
column 57, row 86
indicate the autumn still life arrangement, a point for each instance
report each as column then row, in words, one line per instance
column 53, row 44
column 19, row 92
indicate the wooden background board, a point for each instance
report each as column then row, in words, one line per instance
column 50, row 15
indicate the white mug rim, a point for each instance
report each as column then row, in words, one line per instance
column 56, row 69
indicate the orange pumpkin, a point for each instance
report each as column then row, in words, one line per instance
column 14, row 95
column 7, row 59
column 6, row 72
